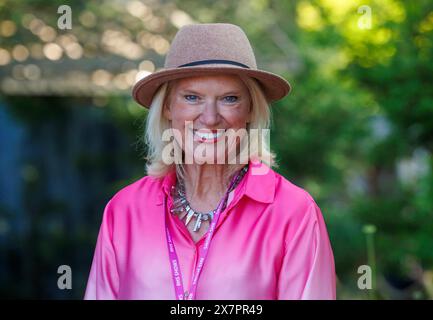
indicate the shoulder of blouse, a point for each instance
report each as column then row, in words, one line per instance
column 292, row 202
column 133, row 192
column 297, row 210
column 286, row 190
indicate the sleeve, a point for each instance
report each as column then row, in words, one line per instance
column 103, row 282
column 308, row 269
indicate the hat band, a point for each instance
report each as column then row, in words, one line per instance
column 196, row 63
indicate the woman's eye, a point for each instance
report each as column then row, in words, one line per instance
column 231, row 99
column 191, row 97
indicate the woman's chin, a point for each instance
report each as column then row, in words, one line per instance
column 208, row 153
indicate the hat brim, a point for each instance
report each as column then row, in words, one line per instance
column 274, row 86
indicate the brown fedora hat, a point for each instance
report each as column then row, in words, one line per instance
column 198, row 49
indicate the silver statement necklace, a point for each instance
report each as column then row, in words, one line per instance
column 182, row 207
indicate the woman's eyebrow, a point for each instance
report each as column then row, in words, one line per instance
column 231, row 92
column 190, row 91
column 198, row 93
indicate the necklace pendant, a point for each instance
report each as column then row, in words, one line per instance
column 198, row 222
column 189, row 216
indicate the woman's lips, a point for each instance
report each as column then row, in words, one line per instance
column 207, row 136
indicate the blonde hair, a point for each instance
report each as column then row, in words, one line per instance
column 156, row 124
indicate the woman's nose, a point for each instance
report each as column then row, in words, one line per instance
column 210, row 116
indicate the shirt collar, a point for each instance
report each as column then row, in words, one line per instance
column 259, row 183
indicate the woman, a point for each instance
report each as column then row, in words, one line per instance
column 208, row 222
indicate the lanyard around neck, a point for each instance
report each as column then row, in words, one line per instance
column 174, row 260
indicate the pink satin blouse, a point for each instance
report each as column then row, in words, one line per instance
column 270, row 242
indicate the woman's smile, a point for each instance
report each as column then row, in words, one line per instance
column 208, row 136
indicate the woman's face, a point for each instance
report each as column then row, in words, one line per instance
column 202, row 109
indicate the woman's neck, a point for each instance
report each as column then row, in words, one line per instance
column 206, row 181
